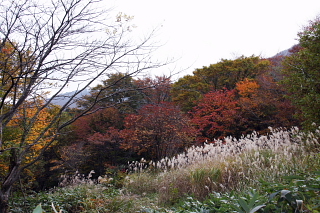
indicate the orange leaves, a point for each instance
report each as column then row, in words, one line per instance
column 262, row 102
column 6, row 51
column 7, row 63
column 247, row 87
column 248, row 91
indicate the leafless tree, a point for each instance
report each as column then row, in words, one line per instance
column 57, row 44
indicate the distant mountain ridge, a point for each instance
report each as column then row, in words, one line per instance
column 284, row 53
column 289, row 51
column 62, row 99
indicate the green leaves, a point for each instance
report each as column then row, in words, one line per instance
column 249, row 204
column 299, row 191
column 38, row 209
column 295, row 193
column 302, row 77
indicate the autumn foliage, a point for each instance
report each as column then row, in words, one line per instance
column 254, row 105
column 161, row 119
column 127, row 117
column 157, row 127
column 217, row 115
column 33, row 140
column 225, row 74
column 93, row 140
column 157, row 130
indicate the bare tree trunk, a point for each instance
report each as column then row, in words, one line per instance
column 4, row 199
column 5, row 190
column 4, row 202
column 13, row 174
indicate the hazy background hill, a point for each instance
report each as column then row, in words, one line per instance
column 63, row 98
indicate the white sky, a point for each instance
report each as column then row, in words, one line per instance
column 201, row 32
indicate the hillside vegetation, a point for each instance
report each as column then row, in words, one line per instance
column 238, row 135
column 279, row 172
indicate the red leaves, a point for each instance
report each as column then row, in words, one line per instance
column 111, row 135
column 155, row 90
column 216, row 114
column 158, row 130
column 98, row 122
column 253, row 106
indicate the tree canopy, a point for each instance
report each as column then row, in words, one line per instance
column 224, row 74
column 302, row 76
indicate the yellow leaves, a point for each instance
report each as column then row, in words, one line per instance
column 30, row 123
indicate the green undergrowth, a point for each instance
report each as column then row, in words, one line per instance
column 296, row 193
column 84, row 198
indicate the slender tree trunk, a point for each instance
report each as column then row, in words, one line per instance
column 5, row 192
column 4, row 200
column 5, row 195
column 5, row 188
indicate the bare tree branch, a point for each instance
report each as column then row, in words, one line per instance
column 56, row 45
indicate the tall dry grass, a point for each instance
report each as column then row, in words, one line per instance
column 226, row 165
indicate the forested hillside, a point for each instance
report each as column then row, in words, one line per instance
column 230, row 98
column 125, row 118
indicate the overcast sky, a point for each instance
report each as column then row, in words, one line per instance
column 202, row 32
